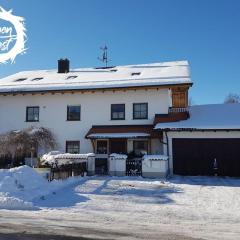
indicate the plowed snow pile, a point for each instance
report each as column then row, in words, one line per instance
column 20, row 186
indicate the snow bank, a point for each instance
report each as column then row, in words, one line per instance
column 20, row 186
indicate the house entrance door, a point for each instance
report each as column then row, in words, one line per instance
column 118, row 146
column 101, row 160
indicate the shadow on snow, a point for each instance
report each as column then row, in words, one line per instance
column 111, row 186
column 206, row 181
column 65, row 197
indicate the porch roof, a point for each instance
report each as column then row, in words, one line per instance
column 122, row 131
column 118, row 135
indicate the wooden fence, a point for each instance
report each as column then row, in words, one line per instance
column 65, row 171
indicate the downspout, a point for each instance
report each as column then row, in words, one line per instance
column 167, row 153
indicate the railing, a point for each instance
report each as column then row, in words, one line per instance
column 178, row 110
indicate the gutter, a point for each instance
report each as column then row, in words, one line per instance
column 167, row 153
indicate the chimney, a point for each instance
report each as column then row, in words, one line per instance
column 63, row 65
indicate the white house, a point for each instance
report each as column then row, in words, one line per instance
column 119, row 109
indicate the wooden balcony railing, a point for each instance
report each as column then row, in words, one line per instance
column 178, row 109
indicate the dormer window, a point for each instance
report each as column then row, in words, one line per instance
column 37, row 79
column 135, row 73
column 71, row 77
column 20, row 79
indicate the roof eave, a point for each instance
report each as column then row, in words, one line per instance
column 95, row 89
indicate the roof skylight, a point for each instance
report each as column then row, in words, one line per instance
column 20, row 79
column 135, row 73
column 37, row 79
column 71, row 77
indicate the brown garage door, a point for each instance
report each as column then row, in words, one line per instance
column 197, row 156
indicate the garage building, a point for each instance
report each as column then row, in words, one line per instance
column 207, row 143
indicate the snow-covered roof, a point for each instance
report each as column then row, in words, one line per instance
column 55, row 157
column 74, row 156
column 213, row 116
column 118, row 135
column 155, row 74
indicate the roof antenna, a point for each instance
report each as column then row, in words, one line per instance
column 104, row 57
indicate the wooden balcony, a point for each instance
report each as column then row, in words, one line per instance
column 174, row 115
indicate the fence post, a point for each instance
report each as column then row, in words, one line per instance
column 111, row 165
column 91, row 165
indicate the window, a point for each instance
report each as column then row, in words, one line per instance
column 73, row 113
column 140, row 148
column 72, row 147
column 102, row 147
column 118, row 112
column 32, row 114
column 140, row 111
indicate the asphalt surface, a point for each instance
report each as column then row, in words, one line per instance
column 26, row 236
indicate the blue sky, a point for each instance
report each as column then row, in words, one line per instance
column 206, row 33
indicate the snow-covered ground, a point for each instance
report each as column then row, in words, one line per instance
column 128, row 208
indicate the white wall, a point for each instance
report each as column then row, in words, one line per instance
column 154, row 168
column 196, row 134
column 95, row 110
column 156, row 146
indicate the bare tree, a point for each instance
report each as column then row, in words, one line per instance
column 26, row 141
column 232, row 98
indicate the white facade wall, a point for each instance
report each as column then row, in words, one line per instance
column 95, row 110
column 154, row 168
column 194, row 134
